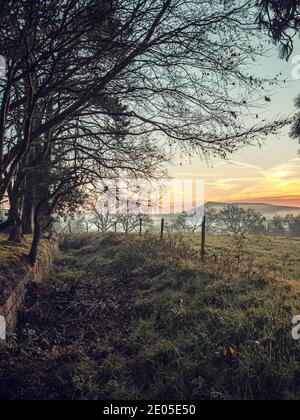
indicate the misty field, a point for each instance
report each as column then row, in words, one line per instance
column 137, row 318
column 278, row 254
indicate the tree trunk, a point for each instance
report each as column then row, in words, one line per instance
column 6, row 225
column 27, row 214
column 15, row 235
column 36, row 236
column 15, row 217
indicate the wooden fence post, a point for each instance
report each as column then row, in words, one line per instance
column 162, row 229
column 203, row 237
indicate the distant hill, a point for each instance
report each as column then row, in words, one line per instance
column 268, row 210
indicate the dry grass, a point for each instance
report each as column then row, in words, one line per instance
column 141, row 319
column 276, row 254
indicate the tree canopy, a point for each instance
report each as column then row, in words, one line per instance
column 282, row 20
column 92, row 88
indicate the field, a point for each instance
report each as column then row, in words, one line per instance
column 278, row 254
column 137, row 318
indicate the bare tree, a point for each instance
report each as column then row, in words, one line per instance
column 130, row 222
column 212, row 219
column 180, row 223
column 105, row 215
column 92, row 87
column 277, row 226
column 282, row 19
column 238, row 222
column 146, row 54
column 293, row 225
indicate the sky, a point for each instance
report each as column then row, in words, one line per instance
column 270, row 174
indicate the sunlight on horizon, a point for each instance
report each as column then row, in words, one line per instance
column 267, row 174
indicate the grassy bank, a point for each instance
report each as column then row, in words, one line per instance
column 140, row 319
column 14, row 263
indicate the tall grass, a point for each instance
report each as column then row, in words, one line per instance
column 137, row 318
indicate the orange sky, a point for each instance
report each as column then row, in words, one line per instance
column 270, row 174
column 236, row 180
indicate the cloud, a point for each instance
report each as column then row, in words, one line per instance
column 282, row 180
column 244, row 165
column 234, row 180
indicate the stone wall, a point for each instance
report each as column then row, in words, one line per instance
column 9, row 310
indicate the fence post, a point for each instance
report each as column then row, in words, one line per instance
column 162, row 229
column 141, row 227
column 127, row 227
column 203, row 237
column 115, row 227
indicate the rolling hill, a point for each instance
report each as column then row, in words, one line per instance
column 268, row 210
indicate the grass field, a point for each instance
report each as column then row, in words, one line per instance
column 278, row 254
column 141, row 319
